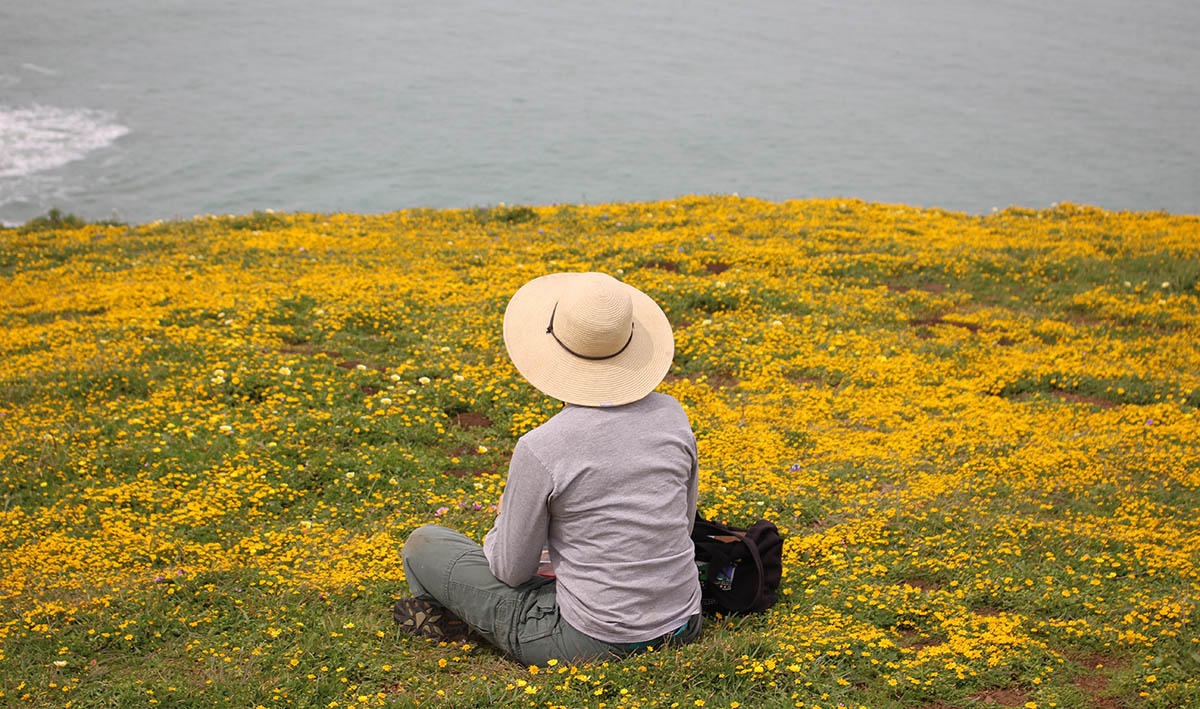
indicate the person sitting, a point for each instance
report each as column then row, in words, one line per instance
column 608, row 484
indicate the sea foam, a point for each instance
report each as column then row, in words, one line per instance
column 40, row 138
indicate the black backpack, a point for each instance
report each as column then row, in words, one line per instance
column 740, row 569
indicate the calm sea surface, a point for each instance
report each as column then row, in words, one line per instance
column 162, row 108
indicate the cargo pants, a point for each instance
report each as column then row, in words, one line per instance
column 448, row 568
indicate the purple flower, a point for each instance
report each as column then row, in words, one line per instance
column 441, row 511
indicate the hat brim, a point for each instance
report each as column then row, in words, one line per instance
column 549, row 367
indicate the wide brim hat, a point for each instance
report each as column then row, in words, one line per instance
column 588, row 339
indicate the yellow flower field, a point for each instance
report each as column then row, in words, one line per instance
column 979, row 434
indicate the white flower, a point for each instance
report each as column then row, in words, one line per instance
column 445, row 349
column 1128, row 284
column 395, row 377
column 458, row 377
column 219, row 372
column 385, row 401
column 776, row 323
column 410, row 392
column 706, row 321
column 1166, row 284
column 60, row 663
column 319, row 311
column 361, row 367
column 226, row 428
column 285, row 371
column 481, row 449
column 423, row 380
column 217, row 380
column 349, row 476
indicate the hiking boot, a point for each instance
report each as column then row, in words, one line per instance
column 431, row 621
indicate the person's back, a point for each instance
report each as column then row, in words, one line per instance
column 617, row 488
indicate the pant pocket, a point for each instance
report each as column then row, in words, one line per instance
column 539, row 617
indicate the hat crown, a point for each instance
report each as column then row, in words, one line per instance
column 594, row 318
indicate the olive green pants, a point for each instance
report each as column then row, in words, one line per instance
column 450, row 569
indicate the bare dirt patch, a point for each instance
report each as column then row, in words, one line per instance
column 1082, row 399
column 927, row 287
column 922, row 584
column 368, row 389
column 1085, row 321
column 806, row 382
column 930, row 322
column 1093, row 686
column 987, row 611
column 716, row 267
column 470, row 419
column 1094, row 681
column 462, row 451
column 913, row 640
column 355, row 364
column 469, row 472
column 1097, row 660
column 721, row 380
column 669, row 266
column 1005, row 697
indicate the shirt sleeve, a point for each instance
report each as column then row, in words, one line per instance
column 513, row 547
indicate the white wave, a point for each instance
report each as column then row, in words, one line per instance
column 44, row 137
column 39, row 69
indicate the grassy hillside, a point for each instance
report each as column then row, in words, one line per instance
column 980, row 435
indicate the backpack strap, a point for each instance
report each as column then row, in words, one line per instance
column 758, row 562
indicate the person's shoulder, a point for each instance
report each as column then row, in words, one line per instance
column 549, row 429
column 661, row 404
column 659, row 400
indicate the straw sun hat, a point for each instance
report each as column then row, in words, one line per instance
column 588, row 339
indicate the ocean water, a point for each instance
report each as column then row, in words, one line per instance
column 149, row 109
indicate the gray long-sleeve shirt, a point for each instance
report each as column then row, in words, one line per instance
column 612, row 492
